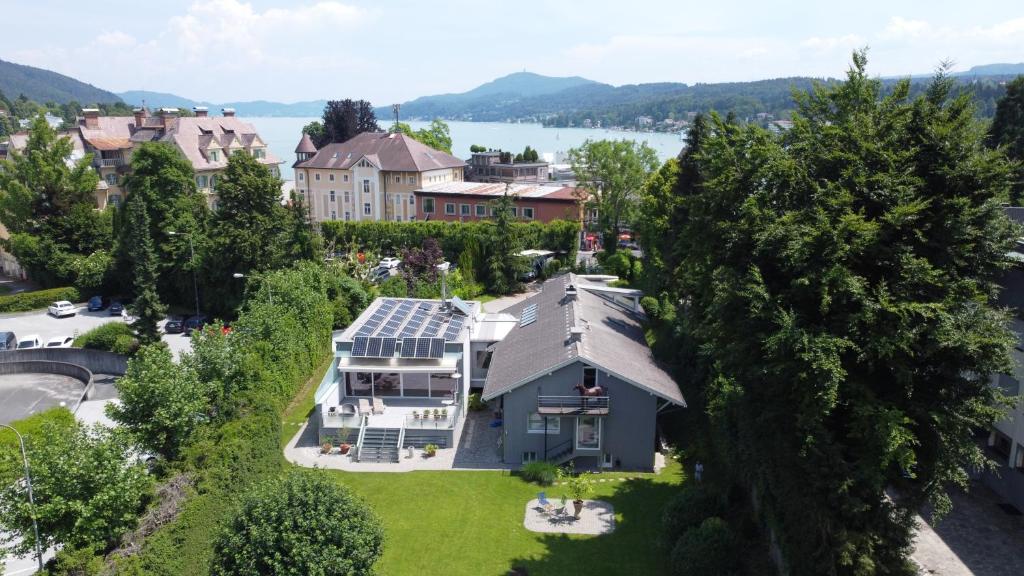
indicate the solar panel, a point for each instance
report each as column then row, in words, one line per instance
column 437, row 347
column 452, row 334
column 457, row 321
column 387, row 349
column 431, row 330
column 529, row 315
column 461, row 305
column 359, row 344
column 409, row 347
column 373, row 348
column 423, row 347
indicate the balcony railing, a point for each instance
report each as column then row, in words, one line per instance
column 573, row 405
column 426, row 420
column 108, row 162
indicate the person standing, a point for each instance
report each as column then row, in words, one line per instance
column 698, row 471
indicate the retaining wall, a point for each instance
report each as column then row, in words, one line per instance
column 96, row 361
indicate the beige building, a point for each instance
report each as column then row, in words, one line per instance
column 372, row 176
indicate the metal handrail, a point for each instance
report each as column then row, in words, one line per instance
column 575, row 402
column 359, row 441
column 401, row 437
column 559, row 449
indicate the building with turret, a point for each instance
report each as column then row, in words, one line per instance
column 372, row 176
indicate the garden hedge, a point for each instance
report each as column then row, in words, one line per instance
column 37, row 299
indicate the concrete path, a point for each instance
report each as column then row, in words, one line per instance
column 597, row 517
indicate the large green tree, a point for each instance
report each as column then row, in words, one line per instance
column 343, row 119
column 1007, row 131
column 303, row 523
column 141, row 261
column 437, row 135
column 838, row 285
column 503, row 262
column 162, row 403
column 611, row 174
column 87, row 484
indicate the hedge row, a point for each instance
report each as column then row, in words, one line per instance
column 115, row 337
column 25, row 301
column 392, row 237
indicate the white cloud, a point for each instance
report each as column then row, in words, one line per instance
column 115, row 39
column 899, row 27
column 847, row 42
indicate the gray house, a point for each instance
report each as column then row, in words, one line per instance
column 575, row 338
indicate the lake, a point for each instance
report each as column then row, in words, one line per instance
column 283, row 134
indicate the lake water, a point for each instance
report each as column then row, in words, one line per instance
column 283, row 134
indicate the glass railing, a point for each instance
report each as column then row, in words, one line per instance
column 431, row 419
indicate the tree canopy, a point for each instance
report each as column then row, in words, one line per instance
column 343, row 119
column 437, row 135
column 1008, row 132
column 835, row 294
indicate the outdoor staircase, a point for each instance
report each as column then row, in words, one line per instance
column 561, row 453
column 378, row 445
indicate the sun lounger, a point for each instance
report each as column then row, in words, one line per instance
column 364, row 406
column 545, row 504
column 378, row 406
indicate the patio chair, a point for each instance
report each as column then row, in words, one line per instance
column 546, row 506
column 378, row 406
column 364, row 406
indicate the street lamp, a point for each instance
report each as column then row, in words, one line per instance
column 192, row 249
column 269, row 291
column 31, row 500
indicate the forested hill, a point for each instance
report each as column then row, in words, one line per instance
column 46, row 86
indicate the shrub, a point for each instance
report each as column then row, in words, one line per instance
column 106, row 336
column 688, row 509
column 267, row 534
column 394, row 287
column 431, row 449
column 651, row 306
column 35, row 300
column 705, row 550
column 125, row 344
column 77, row 562
column 540, row 471
column 476, row 403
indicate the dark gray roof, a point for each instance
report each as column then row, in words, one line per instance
column 612, row 340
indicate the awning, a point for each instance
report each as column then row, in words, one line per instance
column 443, row 366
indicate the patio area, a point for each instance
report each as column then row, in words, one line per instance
column 398, row 412
column 597, row 517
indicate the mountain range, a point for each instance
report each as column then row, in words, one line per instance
column 246, row 108
column 44, row 86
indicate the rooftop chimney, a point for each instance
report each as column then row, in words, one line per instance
column 228, row 112
column 169, row 116
column 570, row 292
column 140, row 117
column 92, row 117
column 576, row 333
column 200, row 111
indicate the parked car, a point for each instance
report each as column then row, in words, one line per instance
column 174, row 325
column 60, row 342
column 116, row 308
column 97, row 303
column 380, row 274
column 8, row 341
column 61, row 308
column 389, row 262
column 30, row 342
column 195, row 323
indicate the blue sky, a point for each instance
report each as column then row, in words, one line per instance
column 395, row 50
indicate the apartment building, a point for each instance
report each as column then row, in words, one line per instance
column 206, row 141
column 372, row 176
column 463, row 201
column 490, row 166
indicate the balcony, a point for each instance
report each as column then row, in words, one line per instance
column 108, row 162
column 573, row 405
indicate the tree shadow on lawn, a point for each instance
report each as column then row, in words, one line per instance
column 633, row 548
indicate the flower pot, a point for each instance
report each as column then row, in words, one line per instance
column 344, row 448
column 578, row 506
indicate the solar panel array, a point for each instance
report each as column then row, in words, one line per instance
column 529, row 315
column 373, row 347
column 397, row 319
column 422, row 347
column 386, row 307
column 454, row 327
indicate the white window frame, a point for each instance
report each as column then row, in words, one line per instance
column 344, row 177
column 398, row 179
column 464, row 210
column 330, row 177
column 348, row 216
column 366, row 186
column 412, row 200
column 346, row 197
column 552, row 430
column 316, row 176
column 367, row 210
column 333, row 196
column 449, row 208
column 481, row 210
column 530, row 216
column 302, row 177
column 529, row 456
column 607, row 460
column 427, row 204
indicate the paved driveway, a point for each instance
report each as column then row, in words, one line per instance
column 46, row 326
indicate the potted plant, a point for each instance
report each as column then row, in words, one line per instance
column 437, row 414
column 343, row 446
column 326, row 448
column 577, row 487
column 415, row 414
column 430, row 450
column 444, row 413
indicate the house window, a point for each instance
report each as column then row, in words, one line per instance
column 464, row 209
column 348, row 215
column 515, row 212
column 214, row 156
column 330, row 177
column 387, row 384
column 398, row 179
column 398, row 201
column 589, row 377
column 112, row 179
column 607, row 461
column 358, row 383
column 443, row 386
column 412, row 200
column 449, row 208
column 428, row 205
column 588, row 433
column 334, row 215
column 201, row 181
column 528, row 213
column 316, row 176
column 302, row 177
column 344, row 177
column 213, row 182
column 347, row 197
column 366, row 186
column 333, row 198
column 412, row 180
column 1001, row 444
column 1019, row 463
column 481, row 210
column 483, row 359
column 114, row 200
column 535, row 424
column 366, row 208
column 416, row 384
column 529, row 456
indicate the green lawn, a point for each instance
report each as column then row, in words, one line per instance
column 471, row 523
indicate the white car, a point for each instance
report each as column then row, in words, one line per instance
column 389, row 262
column 30, row 342
column 60, row 342
column 61, row 308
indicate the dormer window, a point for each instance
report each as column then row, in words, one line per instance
column 214, row 156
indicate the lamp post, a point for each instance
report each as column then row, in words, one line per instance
column 270, row 292
column 192, row 250
column 31, row 500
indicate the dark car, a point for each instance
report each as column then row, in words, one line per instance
column 116, row 308
column 97, row 303
column 8, row 341
column 195, row 323
column 174, row 325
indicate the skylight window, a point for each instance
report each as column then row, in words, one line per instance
column 529, row 315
